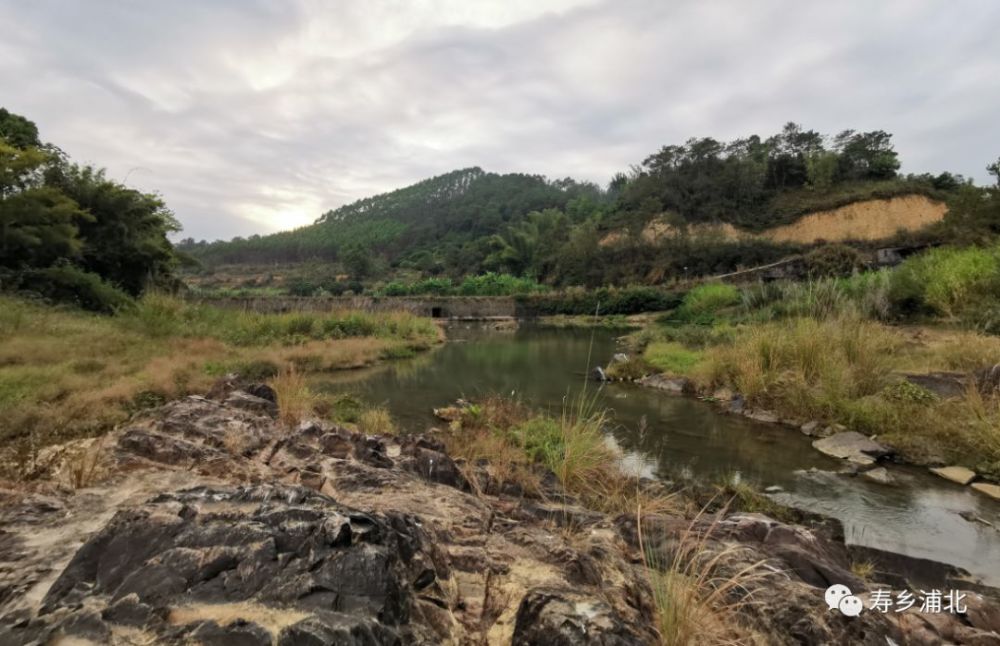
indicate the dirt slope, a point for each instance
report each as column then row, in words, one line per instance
column 866, row 220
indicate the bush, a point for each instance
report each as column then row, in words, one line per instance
column 946, row 281
column 68, row 284
column 492, row 284
column 701, row 304
column 833, row 260
column 606, row 301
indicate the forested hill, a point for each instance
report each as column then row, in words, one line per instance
column 470, row 221
column 419, row 222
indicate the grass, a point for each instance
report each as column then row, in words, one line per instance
column 672, row 357
column 296, row 402
column 65, row 373
column 518, row 445
column 376, row 421
column 698, row 591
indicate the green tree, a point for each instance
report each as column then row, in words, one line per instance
column 18, row 131
column 38, row 224
column 125, row 237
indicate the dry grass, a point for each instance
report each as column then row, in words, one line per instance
column 376, row 421
column 67, row 374
column 296, row 401
column 699, row 588
column 847, row 370
column 516, row 445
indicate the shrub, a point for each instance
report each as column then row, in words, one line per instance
column 702, row 303
column 833, row 260
column 68, row 284
column 945, row 281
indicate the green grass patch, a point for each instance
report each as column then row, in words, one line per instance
column 672, row 357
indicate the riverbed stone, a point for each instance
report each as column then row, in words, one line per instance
column 880, row 475
column 959, row 475
column 667, row 383
column 991, row 490
column 852, row 446
column 811, row 428
column 764, row 416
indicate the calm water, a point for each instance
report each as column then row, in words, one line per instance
column 545, row 367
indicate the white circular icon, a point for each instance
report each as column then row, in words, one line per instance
column 835, row 593
column 851, row 606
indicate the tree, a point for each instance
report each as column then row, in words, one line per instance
column 357, row 261
column 38, row 224
column 18, row 131
column 994, row 169
column 125, row 237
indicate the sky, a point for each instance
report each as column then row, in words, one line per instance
column 253, row 116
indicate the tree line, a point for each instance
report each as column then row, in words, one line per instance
column 70, row 233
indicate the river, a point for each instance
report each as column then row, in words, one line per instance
column 546, row 367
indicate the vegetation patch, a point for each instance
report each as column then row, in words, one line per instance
column 65, row 373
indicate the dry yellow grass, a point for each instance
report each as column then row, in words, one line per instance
column 67, row 374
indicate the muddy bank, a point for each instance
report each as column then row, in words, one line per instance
column 207, row 522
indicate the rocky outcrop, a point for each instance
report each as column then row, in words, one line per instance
column 218, row 526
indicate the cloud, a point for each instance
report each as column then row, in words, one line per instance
column 251, row 117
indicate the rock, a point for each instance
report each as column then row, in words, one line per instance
column 880, row 475
column 737, row 404
column 852, row 446
column 991, row 490
column 942, row 384
column 245, row 401
column 666, row 383
column 566, row 618
column 982, row 614
column 959, row 475
column 765, row 416
column 263, row 546
column 264, row 392
column 619, row 357
column 773, row 489
column 810, row 428
column 598, row 374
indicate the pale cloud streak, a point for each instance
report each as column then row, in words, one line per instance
column 257, row 116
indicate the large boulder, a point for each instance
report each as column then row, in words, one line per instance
column 207, row 564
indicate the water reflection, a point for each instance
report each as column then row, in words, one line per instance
column 547, row 368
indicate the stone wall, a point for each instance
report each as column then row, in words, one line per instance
column 456, row 307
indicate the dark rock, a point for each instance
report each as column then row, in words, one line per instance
column 597, row 374
column 236, row 633
column 942, row 384
column 263, row 391
column 557, row 617
column 129, row 611
column 432, row 465
column 276, row 546
column 245, row 401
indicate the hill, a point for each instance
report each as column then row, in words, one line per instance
column 788, row 189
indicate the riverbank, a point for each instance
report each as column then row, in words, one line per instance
column 65, row 373
column 928, row 391
column 226, row 524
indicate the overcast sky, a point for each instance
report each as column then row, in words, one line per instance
column 254, row 116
